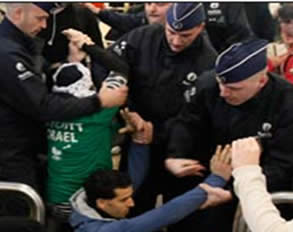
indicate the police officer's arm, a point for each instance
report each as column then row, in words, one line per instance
column 107, row 59
column 185, row 136
column 187, row 130
column 23, row 91
column 277, row 161
column 127, row 47
column 122, row 22
column 101, row 60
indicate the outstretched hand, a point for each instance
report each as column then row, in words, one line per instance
column 184, row 167
column 216, row 196
column 141, row 130
column 220, row 163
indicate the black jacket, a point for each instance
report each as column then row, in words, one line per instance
column 73, row 16
column 25, row 103
column 226, row 24
column 160, row 81
column 208, row 121
column 260, row 19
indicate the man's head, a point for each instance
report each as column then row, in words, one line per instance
column 155, row 12
column 110, row 191
column 241, row 71
column 285, row 15
column 30, row 18
column 185, row 21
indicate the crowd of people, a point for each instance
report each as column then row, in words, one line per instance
column 190, row 86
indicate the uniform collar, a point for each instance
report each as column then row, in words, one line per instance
column 8, row 29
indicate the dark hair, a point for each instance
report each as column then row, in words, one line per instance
column 102, row 183
column 285, row 13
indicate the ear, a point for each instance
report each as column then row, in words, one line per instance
column 100, row 203
column 201, row 27
column 18, row 13
column 263, row 80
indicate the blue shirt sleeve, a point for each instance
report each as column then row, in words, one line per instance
column 167, row 214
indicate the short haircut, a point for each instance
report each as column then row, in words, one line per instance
column 285, row 13
column 102, row 183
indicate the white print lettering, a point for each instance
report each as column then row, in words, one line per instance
column 62, row 136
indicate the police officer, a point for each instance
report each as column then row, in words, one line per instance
column 25, row 104
column 238, row 99
column 164, row 65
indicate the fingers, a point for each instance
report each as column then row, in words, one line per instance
column 222, row 155
column 225, row 155
column 126, row 129
column 145, row 135
column 205, row 187
column 184, row 167
column 142, row 131
column 191, row 170
column 245, row 151
column 77, row 37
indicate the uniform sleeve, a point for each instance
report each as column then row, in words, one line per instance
column 121, row 21
column 23, row 90
column 277, row 160
column 168, row 214
column 188, row 133
column 126, row 48
column 258, row 210
column 107, row 59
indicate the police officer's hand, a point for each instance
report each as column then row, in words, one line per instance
column 216, row 196
column 184, row 167
column 221, row 162
column 112, row 97
column 245, row 152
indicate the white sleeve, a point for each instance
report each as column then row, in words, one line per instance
column 258, row 210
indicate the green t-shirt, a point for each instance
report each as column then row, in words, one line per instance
column 77, row 148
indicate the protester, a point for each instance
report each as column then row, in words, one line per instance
column 107, row 198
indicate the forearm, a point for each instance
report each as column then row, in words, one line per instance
column 107, row 59
column 120, row 21
column 257, row 207
column 174, row 210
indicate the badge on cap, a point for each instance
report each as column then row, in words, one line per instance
column 177, row 25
